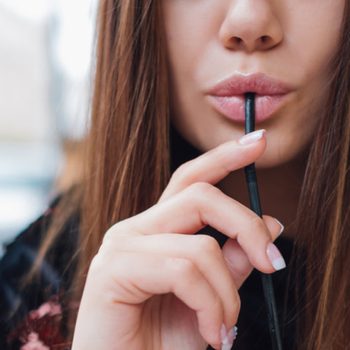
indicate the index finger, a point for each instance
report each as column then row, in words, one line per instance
column 202, row 204
column 216, row 164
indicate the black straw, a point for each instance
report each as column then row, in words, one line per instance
column 256, row 207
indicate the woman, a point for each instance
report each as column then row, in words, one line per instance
column 167, row 243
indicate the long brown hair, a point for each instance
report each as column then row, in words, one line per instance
column 128, row 163
column 323, row 218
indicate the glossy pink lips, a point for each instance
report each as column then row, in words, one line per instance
column 227, row 97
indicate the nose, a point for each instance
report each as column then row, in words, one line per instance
column 251, row 25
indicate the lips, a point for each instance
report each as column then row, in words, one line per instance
column 227, row 97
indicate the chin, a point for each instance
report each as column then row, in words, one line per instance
column 273, row 158
column 266, row 162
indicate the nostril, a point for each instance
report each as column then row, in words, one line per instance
column 237, row 40
column 264, row 38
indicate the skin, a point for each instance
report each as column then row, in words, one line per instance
column 302, row 38
column 154, row 253
column 154, row 284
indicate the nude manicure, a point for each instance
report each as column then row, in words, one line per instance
column 227, row 338
column 275, row 257
column 252, row 137
column 282, row 227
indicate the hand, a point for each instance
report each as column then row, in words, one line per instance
column 154, row 285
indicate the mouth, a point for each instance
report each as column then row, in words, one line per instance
column 228, row 97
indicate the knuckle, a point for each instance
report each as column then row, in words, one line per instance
column 116, row 232
column 109, row 272
column 111, row 232
column 241, row 273
column 98, row 263
column 256, row 224
column 208, row 245
column 181, row 172
column 201, row 190
column 183, row 268
column 108, row 236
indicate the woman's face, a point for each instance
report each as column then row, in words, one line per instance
column 216, row 41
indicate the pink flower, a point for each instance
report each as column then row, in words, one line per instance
column 41, row 328
column 34, row 343
column 50, row 308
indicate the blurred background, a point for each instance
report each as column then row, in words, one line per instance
column 46, row 50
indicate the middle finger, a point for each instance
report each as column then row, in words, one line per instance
column 202, row 204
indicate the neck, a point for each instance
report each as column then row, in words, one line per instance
column 279, row 190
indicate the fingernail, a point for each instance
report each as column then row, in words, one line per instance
column 227, row 338
column 282, row 227
column 252, row 137
column 232, row 334
column 275, row 257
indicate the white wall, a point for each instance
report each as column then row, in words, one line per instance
column 25, row 113
column 45, row 53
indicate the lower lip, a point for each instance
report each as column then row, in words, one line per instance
column 233, row 107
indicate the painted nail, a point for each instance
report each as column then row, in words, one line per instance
column 232, row 334
column 252, row 137
column 227, row 338
column 282, row 227
column 275, row 257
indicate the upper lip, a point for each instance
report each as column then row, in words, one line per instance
column 258, row 83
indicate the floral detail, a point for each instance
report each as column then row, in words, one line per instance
column 41, row 329
column 50, row 308
column 34, row 343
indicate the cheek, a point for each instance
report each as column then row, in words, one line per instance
column 191, row 28
column 190, row 32
column 312, row 35
column 312, row 38
column 187, row 38
column 290, row 134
